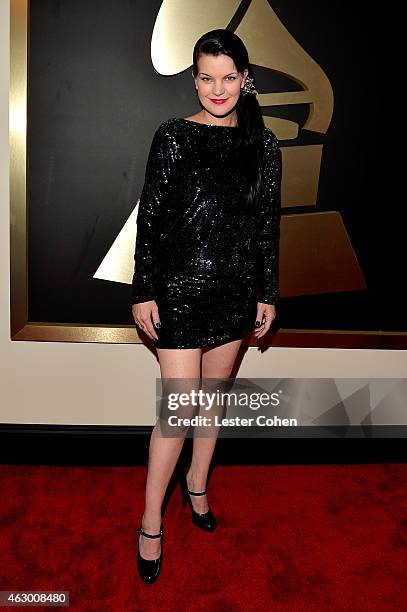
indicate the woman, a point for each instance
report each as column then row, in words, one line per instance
column 206, row 256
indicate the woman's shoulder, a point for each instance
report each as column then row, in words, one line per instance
column 169, row 126
column 166, row 138
column 169, row 134
column 269, row 138
column 271, row 145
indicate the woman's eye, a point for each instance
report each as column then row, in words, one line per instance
column 233, row 78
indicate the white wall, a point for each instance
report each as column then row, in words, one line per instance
column 55, row 382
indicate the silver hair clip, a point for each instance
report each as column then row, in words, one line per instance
column 248, row 87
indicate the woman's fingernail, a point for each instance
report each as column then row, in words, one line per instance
column 257, row 323
column 158, row 325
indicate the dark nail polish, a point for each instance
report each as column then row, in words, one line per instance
column 158, row 325
column 257, row 324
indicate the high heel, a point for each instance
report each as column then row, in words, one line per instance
column 205, row 521
column 149, row 569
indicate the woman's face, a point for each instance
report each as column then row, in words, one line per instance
column 218, row 79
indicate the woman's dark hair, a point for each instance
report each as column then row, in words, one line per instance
column 249, row 117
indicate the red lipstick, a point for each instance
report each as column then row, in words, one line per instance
column 218, row 101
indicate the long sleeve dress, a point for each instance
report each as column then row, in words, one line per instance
column 204, row 255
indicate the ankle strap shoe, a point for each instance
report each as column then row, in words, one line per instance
column 206, row 520
column 149, row 569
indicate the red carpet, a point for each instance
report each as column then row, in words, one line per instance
column 289, row 538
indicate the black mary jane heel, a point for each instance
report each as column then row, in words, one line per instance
column 206, row 520
column 149, row 569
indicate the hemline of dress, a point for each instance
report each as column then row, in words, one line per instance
column 203, row 344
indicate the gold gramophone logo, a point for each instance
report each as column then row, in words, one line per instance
column 316, row 255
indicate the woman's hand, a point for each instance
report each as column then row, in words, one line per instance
column 266, row 313
column 145, row 314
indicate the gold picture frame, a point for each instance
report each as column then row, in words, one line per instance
column 23, row 329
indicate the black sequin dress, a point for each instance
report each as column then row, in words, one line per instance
column 203, row 254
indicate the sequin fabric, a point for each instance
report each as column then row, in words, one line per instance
column 203, row 254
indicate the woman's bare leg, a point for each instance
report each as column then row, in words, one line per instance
column 164, row 451
column 217, row 362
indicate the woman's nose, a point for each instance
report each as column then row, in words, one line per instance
column 218, row 90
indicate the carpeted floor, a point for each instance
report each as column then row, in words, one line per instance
column 306, row 537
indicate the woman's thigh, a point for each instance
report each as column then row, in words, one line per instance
column 180, row 363
column 180, row 369
column 217, row 362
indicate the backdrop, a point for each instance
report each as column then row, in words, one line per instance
column 95, row 100
column 36, row 377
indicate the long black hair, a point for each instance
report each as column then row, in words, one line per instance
column 249, row 117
